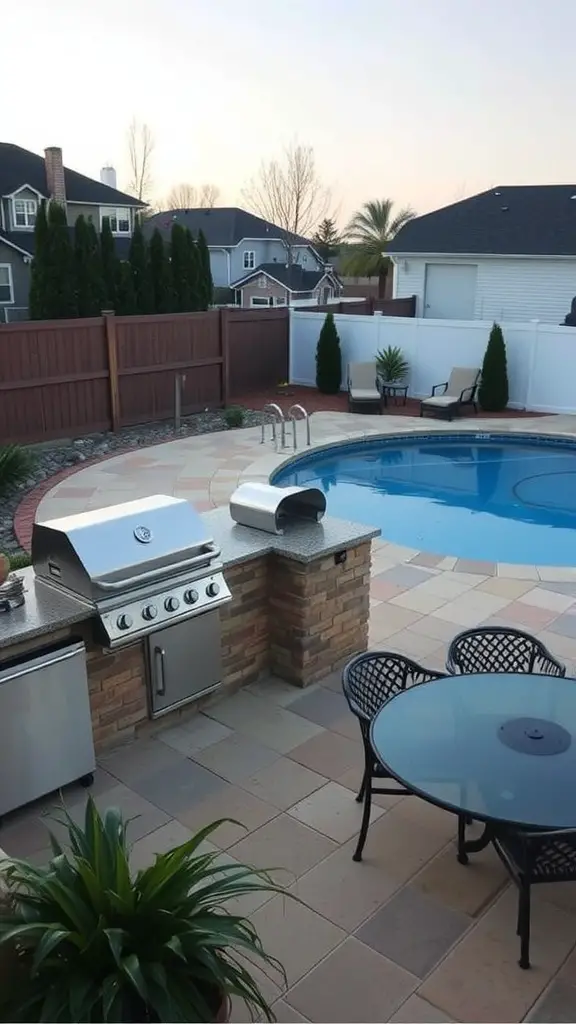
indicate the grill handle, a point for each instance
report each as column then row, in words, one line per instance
column 149, row 577
column 161, row 684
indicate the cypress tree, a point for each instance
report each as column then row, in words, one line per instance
column 138, row 258
column 207, row 282
column 87, row 284
column 97, row 292
column 125, row 298
column 60, row 291
column 110, row 265
column 493, row 392
column 37, row 294
column 180, row 269
column 160, row 274
column 193, row 273
column 328, row 358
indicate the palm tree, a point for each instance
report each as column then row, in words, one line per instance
column 368, row 234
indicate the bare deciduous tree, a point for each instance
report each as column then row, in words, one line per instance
column 187, row 197
column 140, row 149
column 288, row 192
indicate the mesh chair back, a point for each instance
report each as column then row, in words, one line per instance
column 362, row 375
column 461, row 378
column 369, row 680
column 491, row 649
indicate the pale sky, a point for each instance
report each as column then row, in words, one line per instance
column 422, row 101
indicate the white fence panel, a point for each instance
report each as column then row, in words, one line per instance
column 541, row 357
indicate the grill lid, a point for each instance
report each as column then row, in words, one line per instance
column 121, row 546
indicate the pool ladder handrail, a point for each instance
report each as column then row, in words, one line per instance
column 294, row 418
column 277, row 416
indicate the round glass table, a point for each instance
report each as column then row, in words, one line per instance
column 498, row 748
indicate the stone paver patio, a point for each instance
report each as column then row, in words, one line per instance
column 409, row 934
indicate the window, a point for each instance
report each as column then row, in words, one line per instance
column 25, row 213
column 6, row 291
column 262, row 282
column 259, row 300
column 280, row 302
column 249, row 259
column 119, row 219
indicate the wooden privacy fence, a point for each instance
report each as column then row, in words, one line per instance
column 368, row 306
column 64, row 378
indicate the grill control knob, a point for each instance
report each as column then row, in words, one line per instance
column 171, row 604
column 149, row 612
column 213, row 589
column 124, row 621
column 191, row 596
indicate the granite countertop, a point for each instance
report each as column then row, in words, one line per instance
column 47, row 610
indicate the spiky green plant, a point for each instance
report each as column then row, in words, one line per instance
column 93, row 943
column 391, row 364
column 15, row 464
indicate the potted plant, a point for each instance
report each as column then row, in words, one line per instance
column 392, row 367
column 93, row 943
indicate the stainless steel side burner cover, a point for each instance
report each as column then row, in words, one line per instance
column 265, row 507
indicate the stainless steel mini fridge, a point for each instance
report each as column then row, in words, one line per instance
column 45, row 725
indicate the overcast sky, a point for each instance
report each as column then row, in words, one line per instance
column 423, row 101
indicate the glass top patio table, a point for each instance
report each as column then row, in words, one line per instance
column 499, row 747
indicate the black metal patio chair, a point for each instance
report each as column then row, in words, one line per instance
column 533, row 857
column 368, row 681
column 500, row 649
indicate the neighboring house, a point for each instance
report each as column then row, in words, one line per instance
column 25, row 180
column 505, row 254
column 245, row 248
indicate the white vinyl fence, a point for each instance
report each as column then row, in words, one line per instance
column 541, row 357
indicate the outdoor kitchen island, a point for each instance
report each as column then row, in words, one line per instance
column 299, row 610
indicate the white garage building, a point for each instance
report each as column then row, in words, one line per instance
column 505, row 254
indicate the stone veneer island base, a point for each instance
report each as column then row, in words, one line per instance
column 299, row 610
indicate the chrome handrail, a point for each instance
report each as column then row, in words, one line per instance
column 278, row 417
column 303, row 416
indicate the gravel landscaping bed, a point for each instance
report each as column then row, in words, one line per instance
column 51, row 459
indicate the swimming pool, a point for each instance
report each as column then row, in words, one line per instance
column 499, row 498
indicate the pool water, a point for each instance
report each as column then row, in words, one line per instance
column 484, row 497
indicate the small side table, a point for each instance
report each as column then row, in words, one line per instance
column 397, row 393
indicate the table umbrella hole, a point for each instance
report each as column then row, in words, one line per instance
column 534, row 736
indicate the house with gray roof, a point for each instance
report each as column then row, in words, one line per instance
column 261, row 263
column 506, row 254
column 25, row 180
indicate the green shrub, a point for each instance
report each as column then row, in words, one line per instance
column 94, row 942
column 15, row 464
column 234, row 416
column 493, row 392
column 391, row 364
column 19, row 561
column 328, row 358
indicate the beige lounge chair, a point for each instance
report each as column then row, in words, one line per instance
column 459, row 390
column 363, row 385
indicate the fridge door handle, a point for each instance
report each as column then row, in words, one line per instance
column 38, row 664
column 159, row 653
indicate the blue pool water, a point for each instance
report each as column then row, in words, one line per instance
column 478, row 496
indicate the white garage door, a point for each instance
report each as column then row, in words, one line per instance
column 450, row 291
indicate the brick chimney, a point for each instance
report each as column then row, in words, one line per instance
column 55, row 174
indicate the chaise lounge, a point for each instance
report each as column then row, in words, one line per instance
column 458, row 391
column 363, row 385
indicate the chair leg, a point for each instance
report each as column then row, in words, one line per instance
column 362, row 789
column 365, row 819
column 524, row 926
column 462, row 855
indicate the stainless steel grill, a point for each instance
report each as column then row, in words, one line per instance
column 141, row 565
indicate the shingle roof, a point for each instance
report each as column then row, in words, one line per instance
column 222, row 225
column 21, row 167
column 24, row 240
column 523, row 220
column 293, row 277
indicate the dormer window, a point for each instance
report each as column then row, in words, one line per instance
column 119, row 219
column 24, row 213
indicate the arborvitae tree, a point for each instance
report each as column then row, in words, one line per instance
column 207, row 283
column 160, row 274
column 97, row 290
column 195, row 288
column 87, row 269
column 493, row 392
column 328, row 358
column 60, row 296
column 110, row 265
column 125, row 299
column 37, row 295
column 140, row 271
column 179, row 265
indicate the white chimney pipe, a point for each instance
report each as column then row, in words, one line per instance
column 108, row 176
